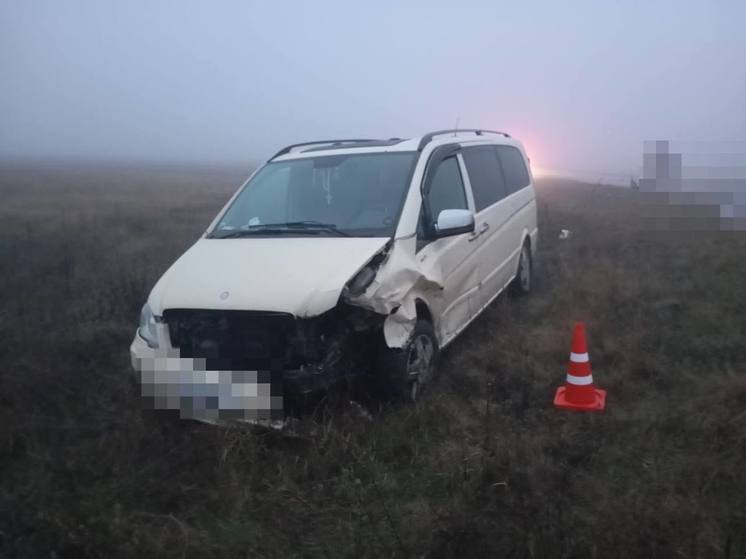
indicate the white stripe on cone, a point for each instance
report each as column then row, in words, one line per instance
column 579, row 357
column 580, row 381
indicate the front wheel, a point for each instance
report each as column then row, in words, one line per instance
column 405, row 372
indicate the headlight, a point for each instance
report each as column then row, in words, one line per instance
column 147, row 329
column 362, row 280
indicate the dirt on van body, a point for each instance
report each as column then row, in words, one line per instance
column 482, row 466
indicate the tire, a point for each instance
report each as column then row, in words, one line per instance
column 403, row 373
column 524, row 277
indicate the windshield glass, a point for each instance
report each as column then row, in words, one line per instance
column 357, row 195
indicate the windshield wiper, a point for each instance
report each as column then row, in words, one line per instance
column 252, row 231
column 310, row 224
column 283, row 228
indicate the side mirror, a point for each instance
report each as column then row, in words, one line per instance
column 454, row 222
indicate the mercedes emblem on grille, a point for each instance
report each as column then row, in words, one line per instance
column 224, row 295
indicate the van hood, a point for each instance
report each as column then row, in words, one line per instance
column 303, row 276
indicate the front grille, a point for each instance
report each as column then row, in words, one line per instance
column 232, row 340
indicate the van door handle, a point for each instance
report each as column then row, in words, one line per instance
column 482, row 230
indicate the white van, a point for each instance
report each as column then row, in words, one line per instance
column 338, row 258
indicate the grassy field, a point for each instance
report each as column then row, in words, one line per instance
column 482, row 466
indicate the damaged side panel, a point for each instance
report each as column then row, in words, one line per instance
column 395, row 281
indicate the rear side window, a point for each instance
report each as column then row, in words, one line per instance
column 486, row 178
column 514, row 168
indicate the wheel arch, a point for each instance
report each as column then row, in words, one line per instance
column 526, row 238
column 423, row 310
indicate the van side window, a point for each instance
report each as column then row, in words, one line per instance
column 446, row 193
column 485, row 175
column 516, row 174
column 447, row 189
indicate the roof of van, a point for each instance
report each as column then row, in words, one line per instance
column 432, row 139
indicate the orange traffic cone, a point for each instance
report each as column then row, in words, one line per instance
column 579, row 393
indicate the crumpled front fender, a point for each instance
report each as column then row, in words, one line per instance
column 400, row 280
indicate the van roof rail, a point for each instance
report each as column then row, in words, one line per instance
column 340, row 143
column 427, row 138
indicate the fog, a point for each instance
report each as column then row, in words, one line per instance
column 582, row 84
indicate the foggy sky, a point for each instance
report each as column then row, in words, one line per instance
column 582, row 84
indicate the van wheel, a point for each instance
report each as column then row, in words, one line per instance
column 524, row 277
column 405, row 372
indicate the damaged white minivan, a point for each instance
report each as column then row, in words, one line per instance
column 336, row 259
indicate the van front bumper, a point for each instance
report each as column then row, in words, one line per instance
column 171, row 382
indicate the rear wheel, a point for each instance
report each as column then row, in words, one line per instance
column 405, row 372
column 523, row 280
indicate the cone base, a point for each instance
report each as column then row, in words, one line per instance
column 560, row 401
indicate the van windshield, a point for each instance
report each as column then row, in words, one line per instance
column 357, row 195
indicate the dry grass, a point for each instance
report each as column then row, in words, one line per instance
column 483, row 466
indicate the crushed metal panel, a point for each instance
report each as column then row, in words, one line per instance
column 393, row 291
column 398, row 327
